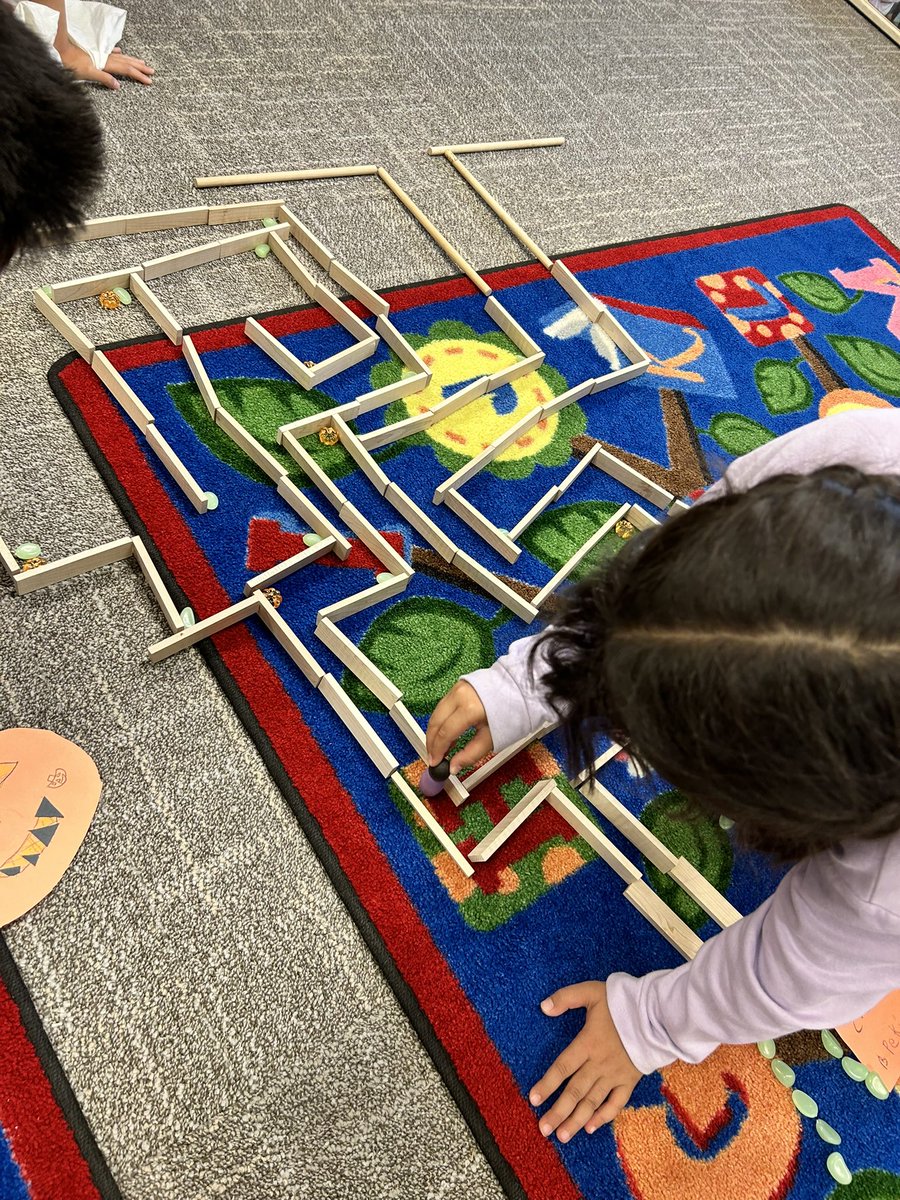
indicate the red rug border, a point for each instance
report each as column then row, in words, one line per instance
column 234, row 656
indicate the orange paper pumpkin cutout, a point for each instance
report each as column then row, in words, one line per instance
column 49, row 791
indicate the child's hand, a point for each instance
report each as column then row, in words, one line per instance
column 601, row 1075
column 459, row 710
column 79, row 63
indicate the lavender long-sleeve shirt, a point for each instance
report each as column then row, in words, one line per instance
column 825, row 947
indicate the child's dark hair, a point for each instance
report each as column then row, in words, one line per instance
column 749, row 651
column 51, row 144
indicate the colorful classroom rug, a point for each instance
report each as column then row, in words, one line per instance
column 47, row 1150
column 753, row 329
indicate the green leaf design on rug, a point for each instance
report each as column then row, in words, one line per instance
column 423, row 645
column 782, row 386
column 871, row 1184
column 556, row 535
column 821, row 291
column 261, row 406
column 877, row 364
column 701, row 841
column 738, row 434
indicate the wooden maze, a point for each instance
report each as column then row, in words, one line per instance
column 282, row 232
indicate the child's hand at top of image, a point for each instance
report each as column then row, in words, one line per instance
column 80, row 64
column 460, row 710
column 600, row 1075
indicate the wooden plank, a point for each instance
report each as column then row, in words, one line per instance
column 278, row 353
column 388, row 434
column 26, row 582
column 516, row 371
column 367, row 598
column 244, row 210
column 91, row 285
column 595, row 838
column 394, row 340
column 566, row 570
column 289, row 642
column 250, row 446
column 575, row 289
column 341, row 313
column 374, row 541
column 431, row 229
column 495, row 587
column 460, row 398
column 521, row 340
column 312, row 245
column 198, row 371
column 630, row 826
column 702, row 892
column 120, row 390
column 168, row 264
column 572, row 396
column 191, row 634
column 496, row 761
column 241, row 242
column 583, row 776
column 533, row 513
column 507, row 826
column 663, row 920
column 422, row 523
column 581, row 467
column 314, row 472
column 407, row 386
column 316, row 520
column 640, row 518
column 496, row 538
column 169, row 218
column 98, row 227
column 157, row 587
column 343, row 360
column 289, row 566
column 626, row 343
column 176, row 468
column 622, row 375
column 638, row 483
column 497, row 446
column 432, row 824
column 410, row 728
column 356, row 662
column 9, row 560
column 360, row 455
column 355, row 287
column 366, row 737
column 497, row 208
column 293, row 265
column 481, row 147
column 156, row 310
column 61, row 323
column 205, row 181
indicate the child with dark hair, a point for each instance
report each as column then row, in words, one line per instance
column 51, row 144
column 749, row 651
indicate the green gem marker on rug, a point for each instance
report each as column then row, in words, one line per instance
column 782, row 1072
column 311, row 539
column 827, row 1133
column 262, row 251
column 269, row 222
column 804, row 1103
column 837, row 1168
column 766, row 1049
column 187, row 617
column 123, row 294
column 831, row 1044
column 385, row 577
column 726, row 823
column 48, row 291
column 854, row 1069
column 212, row 501
column 876, row 1087
column 27, row 550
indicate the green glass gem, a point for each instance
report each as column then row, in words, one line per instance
column 262, row 251
column 804, row 1103
column 27, row 550
column 854, row 1069
column 123, row 294
column 311, row 539
column 269, row 222
column 831, row 1044
column 766, row 1049
column 876, row 1087
column 726, row 823
column 782, row 1072
column 837, row 1168
column 187, row 616
column 212, row 501
column 827, row 1134
column 48, row 291
column 385, row 577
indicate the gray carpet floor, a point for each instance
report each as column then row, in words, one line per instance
column 221, row 1021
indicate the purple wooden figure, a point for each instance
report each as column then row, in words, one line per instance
column 434, row 778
